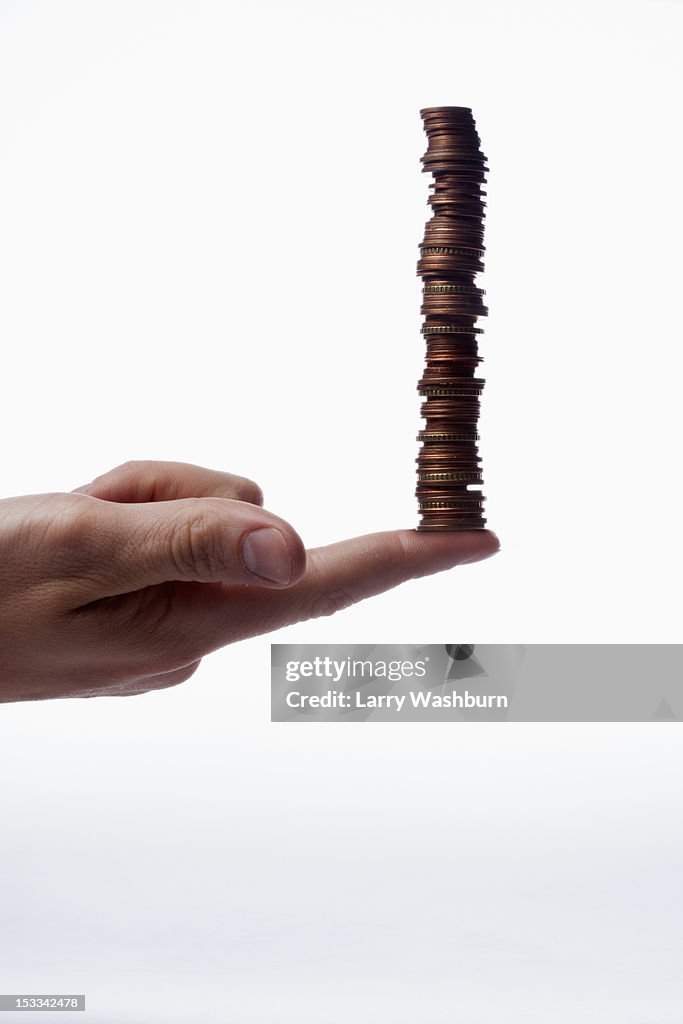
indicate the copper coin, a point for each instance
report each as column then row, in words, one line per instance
column 446, row 436
column 451, row 328
column 451, row 255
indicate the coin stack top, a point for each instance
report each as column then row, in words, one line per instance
column 451, row 255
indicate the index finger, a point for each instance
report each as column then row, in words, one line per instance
column 336, row 577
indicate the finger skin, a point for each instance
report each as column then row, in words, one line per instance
column 130, row 687
column 191, row 540
column 337, row 576
column 160, row 681
column 344, row 573
column 104, row 596
column 165, row 481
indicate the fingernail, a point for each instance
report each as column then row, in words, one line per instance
column 265, row 553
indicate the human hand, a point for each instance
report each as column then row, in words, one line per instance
column 124, row 585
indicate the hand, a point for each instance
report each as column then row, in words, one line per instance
column 124, row 585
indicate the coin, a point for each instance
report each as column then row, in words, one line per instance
column 450, row 256
column 433, row 523
column 451, row 328
column 446, row 436
column 460, row 390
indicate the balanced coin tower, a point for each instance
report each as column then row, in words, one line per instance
column 450, row 258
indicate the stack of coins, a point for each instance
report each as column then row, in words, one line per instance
column 450, row 258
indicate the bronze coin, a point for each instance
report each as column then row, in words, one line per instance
column 438, row 266
column 445, row 288
column 452, row 524
column 433, row 391
column 450, row 329
column 446, row 436
column 451, row 255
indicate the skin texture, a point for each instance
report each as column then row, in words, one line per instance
column 122, row 586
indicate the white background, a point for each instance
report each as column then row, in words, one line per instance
column 209, row 218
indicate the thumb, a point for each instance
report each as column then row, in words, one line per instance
column 205, row 540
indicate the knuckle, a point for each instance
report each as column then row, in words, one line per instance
column 196, row 547
column 131, row 466
column 329, row 603
column 120, row 473
column 250, row 491
column 70, row 531
column 325, row 600
column 398, row 556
